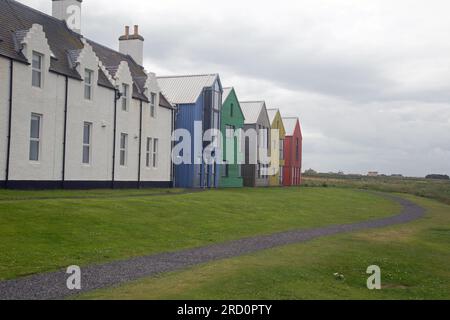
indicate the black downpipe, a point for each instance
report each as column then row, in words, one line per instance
column 172, row 167
column 140, row 145
column 116, row 97
column 8, row 151
column 66, row 99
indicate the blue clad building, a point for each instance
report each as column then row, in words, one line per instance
column 198, row 99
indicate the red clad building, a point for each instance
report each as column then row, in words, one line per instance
column 293, row 147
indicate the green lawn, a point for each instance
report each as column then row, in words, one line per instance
column 45, row 231
column 414, row 260
column 8, row 195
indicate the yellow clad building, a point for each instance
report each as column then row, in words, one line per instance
column 277, row 148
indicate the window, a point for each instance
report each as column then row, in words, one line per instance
column 123, row 149
column 36, row 67
column 281, row 149
column 281, row 175
column 153, row 105
column 35, row 137
column 297, row 150
column 148, row 153
column 125, row 94
column 87, row 139
column 231, row 110
column 216, row 124
column 155, row 153
column 88, row 76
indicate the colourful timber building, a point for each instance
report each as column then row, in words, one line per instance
column 232, row 119
column 292, row 175
column 277, row 148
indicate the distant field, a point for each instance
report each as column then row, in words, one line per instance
column 434, row 189
column 47, row 230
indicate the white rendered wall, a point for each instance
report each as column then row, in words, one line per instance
column 160, row 128
column 127, row 122
column 100, row 112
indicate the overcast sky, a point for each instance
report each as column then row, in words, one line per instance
column 370, row 80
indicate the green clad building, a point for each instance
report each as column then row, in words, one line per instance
column 231, row 118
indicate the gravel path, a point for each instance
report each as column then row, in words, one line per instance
column 53, row 285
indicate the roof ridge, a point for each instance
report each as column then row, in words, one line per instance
column 189, row 75
column 105, row 47
column 36, row 10
column 62, row 22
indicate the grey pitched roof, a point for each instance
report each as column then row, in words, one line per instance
column 272, row 113
column 252, row 110
column 290, row 124
column 185, row 89
column 226, row 93
column 16, row 19
column 111, row 59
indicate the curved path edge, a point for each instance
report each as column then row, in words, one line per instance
column 53, row 285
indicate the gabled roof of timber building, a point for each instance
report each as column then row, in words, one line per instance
column 252, row 110
column 290, row 124
column 226, row 93
column 272, row 114
column 16, row 19
column 186, row 89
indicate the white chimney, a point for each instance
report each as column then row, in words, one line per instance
column 132, row 44
column 69, row 11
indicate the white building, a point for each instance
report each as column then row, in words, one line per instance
column 74, row 113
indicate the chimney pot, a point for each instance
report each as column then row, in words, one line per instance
column 136, row 30
column 127, row 30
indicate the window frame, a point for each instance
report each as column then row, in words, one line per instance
column 155, row 154
column 281, row 174
column 123, row 149
column 153, row 105
column 36, row 70
column 88, row 85
column 281, row 149
column 87, row 145
column 149, row 152
column 125, row 96
column 38, row 139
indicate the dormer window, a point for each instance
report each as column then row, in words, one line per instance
column 153, row 105
column 88, row 76
column 125, row 98
column 36, row 66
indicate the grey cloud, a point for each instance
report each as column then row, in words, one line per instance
column 370, row 80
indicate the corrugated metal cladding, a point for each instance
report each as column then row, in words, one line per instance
column 231, row 115
column 186, row 89
column 252, row 110
column 293, row 145
column 189, row 93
